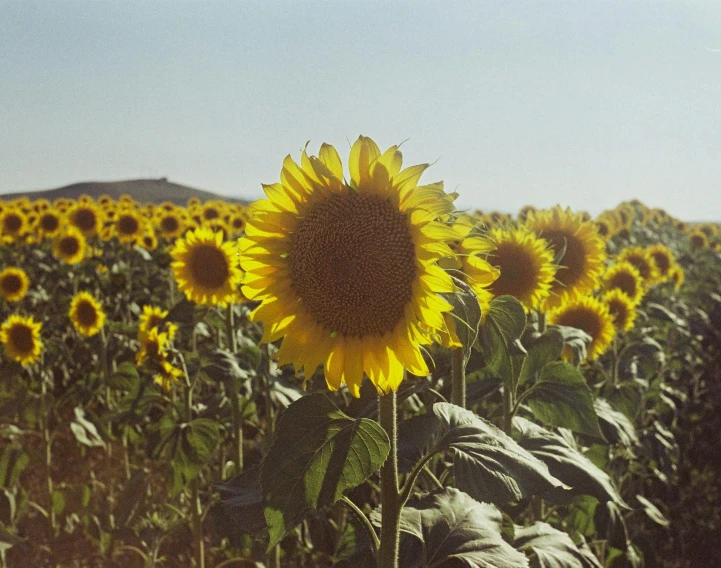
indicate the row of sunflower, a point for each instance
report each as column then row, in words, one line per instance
column 131, row 340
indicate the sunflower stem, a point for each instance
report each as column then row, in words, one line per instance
column 235, row 394
column 390, row 495
column 365, row 521
column 458, row 377
column 48, row 442
column 195, row 504
column 508, row 408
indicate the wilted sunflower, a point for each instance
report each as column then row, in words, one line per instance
column 346, row 271
column 13, row 223
column 621, row 308
column 579, row 252
column 625, row 276
column 69, row 246
column 698, row 240
column 662, row 259
column 205, row 268
column 86, row 313
column 526, row 265
column 86, row 217
column 14, row 284
column 590, row 315
column 640, row 258
column 21, row 337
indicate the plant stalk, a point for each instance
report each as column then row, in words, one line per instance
column 48, row 442
column 390, row 497
column 458, row 377
column 234, row 395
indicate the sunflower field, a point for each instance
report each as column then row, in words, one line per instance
column 354, row 373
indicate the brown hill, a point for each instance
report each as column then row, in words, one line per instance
column 143, row 190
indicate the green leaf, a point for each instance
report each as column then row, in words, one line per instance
column 615, row 425
column 449, row 525
column 195, row 443
column 576, row 340
column 546, row 348
column 662, row 313
column 85, row 431
column 499, row 338
column 317, row 454
column 124, row 377
column 241, row 501
column 12, row 463
column 653, row 512
column 466, row 315
column 487, row 464
column 562, row 398
column 566, row 463
column 550, row 548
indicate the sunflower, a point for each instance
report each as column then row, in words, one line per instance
column 152, row 317
column 86, row 217
column 526, row 265
column 641, row 259
column 14, row 284
column 237, row 223
column 149, row 241
column 621, row 308
column 625, row 277
column 677, row 276
column 205, row 268
column 698, row 240
column 578, row 248
column 169, row 224
column 211, row 211
column 49, row 223
column 524, row 211
column 128, row 226
column 346, row 271
column 21, row 338
column 154, row 348
column 590, row 315
column 86, row 313
column 662, row 259
column 69, row 246
column 13, row 223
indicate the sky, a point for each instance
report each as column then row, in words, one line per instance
column 583, row 104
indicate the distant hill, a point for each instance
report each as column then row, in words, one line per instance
column 142, row 190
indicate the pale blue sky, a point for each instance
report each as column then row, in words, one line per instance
column 582, row 103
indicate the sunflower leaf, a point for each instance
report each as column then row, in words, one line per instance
column 449, row 525
column 550, row 548
column 562, row 398
column 318, row 453
column 544, row 349
column 575, row 339
column 466, row 316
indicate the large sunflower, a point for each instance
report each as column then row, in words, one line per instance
column 641, row 259
column 70, row 246
column 662, row 259
column 625, row 276
column 21, row 337
column 14, row 284
column 86, row 313
column 590, row 315
column 346, row 271
column 579, row 252
column 526, row 265
column 86, row 217
column 206, row 268
column 621, row 308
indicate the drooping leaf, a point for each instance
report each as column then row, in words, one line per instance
column 562, row 398
column 195, row 443
column 566, row 463
column 615, row 425
column 550, row 548
column 576, row 340
column 317, row 454
column 85, row 431
column 241, row 501
column 546, row 348
column 653, row 512
column 487, row 464
column 466, row 315
column 448, row 525
column 499, row 338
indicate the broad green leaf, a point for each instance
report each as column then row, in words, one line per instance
column 195, row 443
column 466, row 315
column 499, row 338
column 241, row 501
column 550, row 548
column 487, row 464
column 318, row 453
column 544, row 349
column 562, row 398
column 576, row 340
column 448, row 525
column 566, row 463
column 124, row 377
column 615, row 425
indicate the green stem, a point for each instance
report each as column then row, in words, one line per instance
column 507, row 408
column 375, row 542
column 48, row 442
column 195, row 504
column 458, row 379
column 273, row 557
column 230, row 328
column 390, row 497
column 237, row 427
